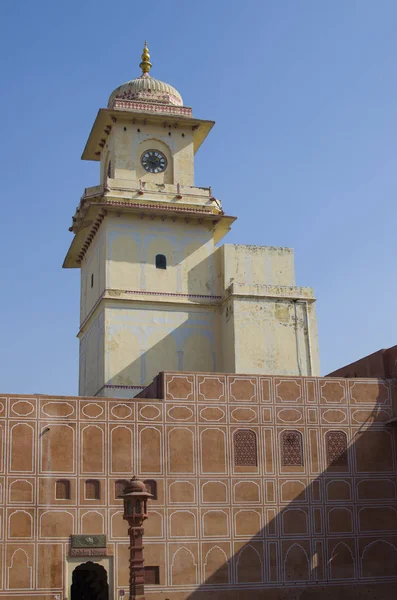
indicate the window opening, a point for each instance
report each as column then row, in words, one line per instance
column 161, row 261
column 120, row 487
column 336, row 448
column 291, row 448
column 92, row 280
column 245, row 454
column 152, row 575
column 92, row 489
column 62, row 489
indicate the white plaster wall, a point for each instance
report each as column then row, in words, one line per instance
column 91, row 368
column 143, row 340
column 127, row 142
column 132, row 245
column 255, row 265
column 271, row 337
column 92, row 264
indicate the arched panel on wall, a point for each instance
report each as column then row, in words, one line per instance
column 92, row 454
column 340, row 520
column 247, row 522
column 291, row 449
column 379, row 559
column 215, row 523
column 375, row 518
column 245, row 448
column 20, row 524
column 246, row 491
column 336, row 448
column 181, row 450
column 150, row 455
column 154, row 525
column 22, row 448
column 119, row 527
column 198, row 353
column 1, row 447
column 57, row 448
column 182, row 492
column 183, row 524
column 56, row 524
column 183, row 567
column 124, row 260
column 249, row 565
column 213, row 450
column 92, row 521
column 294, row 521
column 20, row 574
column 296, row 564
column 216, row 569
column 21, row 490
column 121, row 449
column 338, row 490
column 214, row 492
column 342, row 562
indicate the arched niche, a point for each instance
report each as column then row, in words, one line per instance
column 183, row 524
column 249, row 565
column 56, row 524
column 22, row 448
column 121, row 449
column 21, row 490
column 57, row 448
column 296, row 564
column 215, row 523
column 342, row 562
column 379, row 559
column 92, row 521
column 180, row 450
column 216, row 569
column 20, row 524
column 213, row 450
column 153, row 143
column 150, row 450
column 182, row 492
column 214, row 492
column 92, row 455
column 19, row 571
column 246, row 491
column 247, row 522
column 183, row 567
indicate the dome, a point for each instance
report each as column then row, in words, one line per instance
column 146, row 88
column 136, row 486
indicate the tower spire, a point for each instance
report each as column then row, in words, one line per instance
column 145, row 65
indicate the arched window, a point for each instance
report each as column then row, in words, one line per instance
column 336, row 448
column 151, row 486
column 245, row 454
column 92, row 489
column 161, row 261
column 119, row 487
column 62, row 489
column 291, row 449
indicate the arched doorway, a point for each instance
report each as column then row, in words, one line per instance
column 90, row 582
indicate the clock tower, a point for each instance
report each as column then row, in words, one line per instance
column 156, row 292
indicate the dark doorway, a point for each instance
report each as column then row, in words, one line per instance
column 89, row 582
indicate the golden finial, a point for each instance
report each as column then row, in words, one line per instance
column 145, row 64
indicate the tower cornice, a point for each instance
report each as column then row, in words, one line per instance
column 141, row 113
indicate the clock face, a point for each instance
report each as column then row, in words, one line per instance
column 154, row 161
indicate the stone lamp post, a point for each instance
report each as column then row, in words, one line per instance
column 135, row 499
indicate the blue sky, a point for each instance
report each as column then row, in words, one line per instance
column 304, row 152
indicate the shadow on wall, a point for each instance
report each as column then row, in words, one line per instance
column 331, row 537
column 190, row 346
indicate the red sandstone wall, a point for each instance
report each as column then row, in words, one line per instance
column 239, row 506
